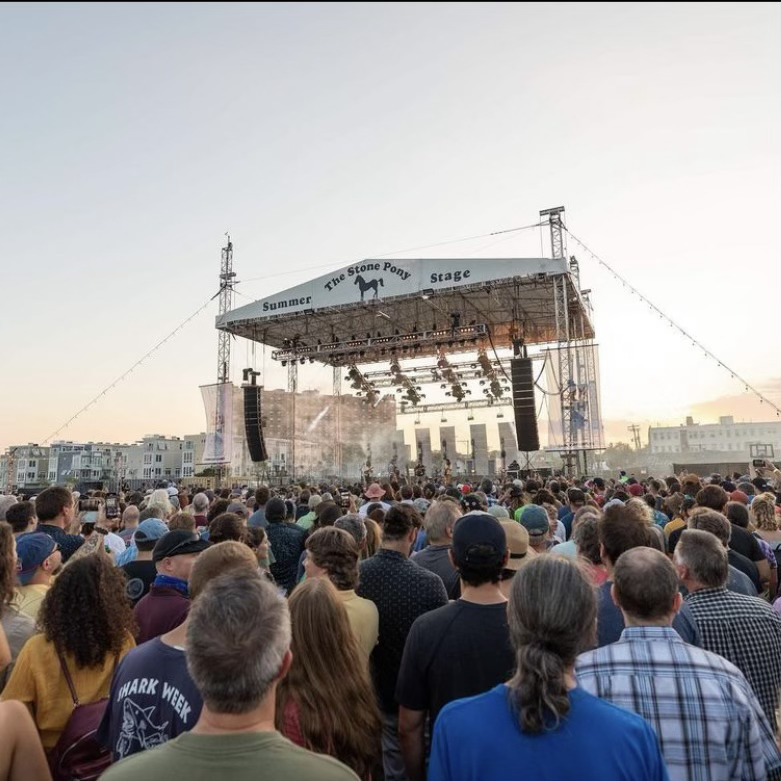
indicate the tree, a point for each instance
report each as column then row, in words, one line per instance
column 618, row 455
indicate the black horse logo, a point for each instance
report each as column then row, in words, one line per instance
column 371, row 285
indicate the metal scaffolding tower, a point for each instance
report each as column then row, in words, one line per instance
column 226, row 304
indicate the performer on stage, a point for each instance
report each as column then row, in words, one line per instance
column 447, row 472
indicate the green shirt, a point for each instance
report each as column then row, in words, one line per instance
column 306, row 521
column 242, row 757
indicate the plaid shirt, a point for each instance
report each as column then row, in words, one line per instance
column 708, row 721
column 747, row 632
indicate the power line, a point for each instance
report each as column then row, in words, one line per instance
column 695, row 343
column 399, row 252
column 131, row 369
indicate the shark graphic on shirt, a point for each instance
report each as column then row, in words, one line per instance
column 137, row 727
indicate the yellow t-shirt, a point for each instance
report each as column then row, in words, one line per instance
column 28, row 599
column 364, row 620
column 674, row 525
column 37, row 681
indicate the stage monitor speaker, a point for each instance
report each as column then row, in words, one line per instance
column 524, row 404
column 252, row 425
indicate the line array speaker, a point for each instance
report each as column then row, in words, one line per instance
column 252, row 426
column 524, row 404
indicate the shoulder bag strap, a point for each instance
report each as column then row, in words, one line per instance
column 69, row 680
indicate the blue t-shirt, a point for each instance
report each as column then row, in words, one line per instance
column 480, row 739
column 152, row 700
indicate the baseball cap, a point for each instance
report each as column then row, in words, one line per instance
column 738, row 496
column 478, row 538
column 517, row 544
column 499, row 511
column 635, row 489
column 178, row 543
column 150, row 529
column 421, row 505
column 535, row 520
column 32, row 549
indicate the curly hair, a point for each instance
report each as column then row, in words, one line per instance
column 7, row 565
column 227, row 526
column 86, row 612
column 763, row 513
column 336, row 551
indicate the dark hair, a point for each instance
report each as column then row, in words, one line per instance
column 219, row 507
column 575, row 495
column 51, row 502
column 736, row 513
column 326, row 513
column 262, row 495
column 227, row 526
column 650, row 500
column 714, row 497
column 86, row 612
column 399, row 521
column 335, row 551
column 620, row 531
column 646, row 583
column 19, row 516
column 552, row 617
column 7, row 570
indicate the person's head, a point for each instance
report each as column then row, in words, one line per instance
column 690, row 485
column 373, row 536
column 406, row 492
column 326, row 513
column 737, row 513
column 155, row 512
column 131, row 517
column 401, row 524
column 218, row 507
column 479, row 550
column 746, row 488
column 353, row 524
column 5, row 503
column 21, row 516
column 575, row 498
column 711, row 521
column 701, row 560
column 585, row 535
column 227, row 526
column 238, row 642
column 440, row 519
column 763, row 514
column 552, row 618
column 219, row 560
column 276, row 512
column 39, row 559
column 54, row 504
column 536, row 521
column 333, row 553
column 262, row 495
column 619, row 531
column 162, row 499
column 149, row 531
column 714, row 497
column 645, row 587
column 175, row 553
column 200, row 504
column 86, row 613
column 182, row 521
column 329, row 680
column 258, row 542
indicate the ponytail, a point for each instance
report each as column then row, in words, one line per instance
column 539, row 690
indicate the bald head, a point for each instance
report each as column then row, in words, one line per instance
column 645, row 586
column 130, row 516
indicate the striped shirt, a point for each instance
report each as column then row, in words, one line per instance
column 747, row 632
column 709, row 723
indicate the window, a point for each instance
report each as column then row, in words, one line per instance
column 52, row 475
column 158, row 459
column 158, row 471
column 147, row 473
column 31, row 464
column 147, row 458
column 187, row 458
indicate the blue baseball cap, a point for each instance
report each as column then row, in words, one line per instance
column 32, row 550
column 150, row 529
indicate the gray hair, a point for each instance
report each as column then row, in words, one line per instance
column 712, row 521
column 440, row 517
column 237, row 637
column 552, row 617
column 200, row 502
column 352, row 523
column 5, row 503
column 646, row 583
column 703, row 554
column 155, row 511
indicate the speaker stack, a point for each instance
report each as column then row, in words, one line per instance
column 524, row 405
column 252, row 425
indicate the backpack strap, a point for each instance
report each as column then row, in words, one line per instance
column 69, row 680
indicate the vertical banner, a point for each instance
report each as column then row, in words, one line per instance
column 218, row 403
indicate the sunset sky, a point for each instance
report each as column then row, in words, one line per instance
column 134, row 136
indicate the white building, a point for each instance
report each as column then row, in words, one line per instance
column 24, row 466
column 192, row 454
column 726, row 436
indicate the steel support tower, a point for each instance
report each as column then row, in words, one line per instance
column 227, row 277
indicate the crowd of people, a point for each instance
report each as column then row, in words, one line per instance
column 546, row 628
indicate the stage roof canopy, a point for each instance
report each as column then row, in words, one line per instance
column 370, row 309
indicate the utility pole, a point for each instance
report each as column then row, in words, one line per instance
column 635, row 431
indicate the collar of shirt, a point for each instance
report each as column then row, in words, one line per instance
column 666, row 633
column 387, row 553
column 706, row 594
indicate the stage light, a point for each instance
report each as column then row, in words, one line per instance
column 284, row 363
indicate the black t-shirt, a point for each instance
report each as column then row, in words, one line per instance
column 140, row 576
column 746, row 566
column 459, row 650
column 745, row 543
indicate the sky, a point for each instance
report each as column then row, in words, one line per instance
column 133, row 136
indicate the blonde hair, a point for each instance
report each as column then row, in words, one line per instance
column 763, row 513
